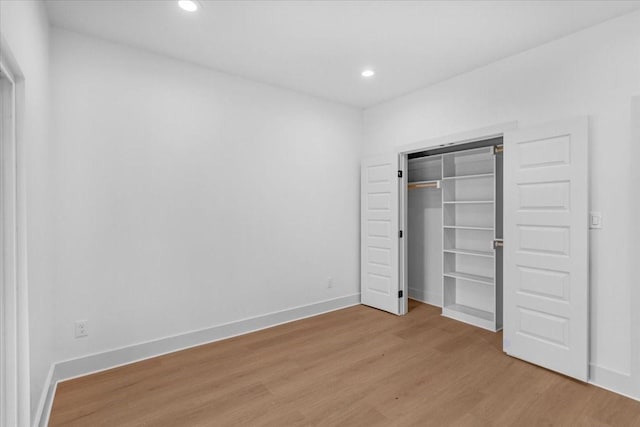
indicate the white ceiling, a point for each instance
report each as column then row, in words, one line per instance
column 320, row 47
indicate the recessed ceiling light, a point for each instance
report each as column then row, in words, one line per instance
column 368, row 73
column 188, row 5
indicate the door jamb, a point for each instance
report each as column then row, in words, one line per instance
column 13, row 280
column 635, row 292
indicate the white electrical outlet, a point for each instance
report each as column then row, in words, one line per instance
column 82, row 328
column 330, row 282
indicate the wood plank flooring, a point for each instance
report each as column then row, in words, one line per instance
column 352, row 367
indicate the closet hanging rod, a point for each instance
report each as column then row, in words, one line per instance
column 424, row 184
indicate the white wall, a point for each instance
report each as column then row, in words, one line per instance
column 187, row 198
column 24, row 26
column 594, row 72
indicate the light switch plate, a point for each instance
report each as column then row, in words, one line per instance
column 595, row 220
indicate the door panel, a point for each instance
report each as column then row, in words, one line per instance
column 546, row 283
column 379, row 251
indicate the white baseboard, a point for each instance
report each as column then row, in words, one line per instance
column 617, row 382
column 68, row 369
column 42, row 418
column 430, row 298
column 46, row 399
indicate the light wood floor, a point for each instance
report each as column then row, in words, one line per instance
column 353, row 367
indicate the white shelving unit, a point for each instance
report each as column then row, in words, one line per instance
column 469, row 229
column 454, row 207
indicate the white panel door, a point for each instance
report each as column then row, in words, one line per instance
column 379, row 233
column 546, row 281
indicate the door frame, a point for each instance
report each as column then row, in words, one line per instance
column 403, row 152
column 14, row 324
column 635, row 291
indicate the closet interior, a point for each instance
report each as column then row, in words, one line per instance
column 454, row 231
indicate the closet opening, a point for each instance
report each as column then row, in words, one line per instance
column 498, row 237
column 452, row 202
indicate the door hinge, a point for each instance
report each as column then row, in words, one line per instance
column 399, row 174
column 498, row 149
column 400, row 234
column 498, row 243
column 400, row 294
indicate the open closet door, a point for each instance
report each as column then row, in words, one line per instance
column 546, row 281
column 380, row 283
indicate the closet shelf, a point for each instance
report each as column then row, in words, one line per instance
column 464, row 227
column 470, row 277
column 464, row 313
column 479, row 175
column 469, row 252
column 424, row 184
column 468, row 202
